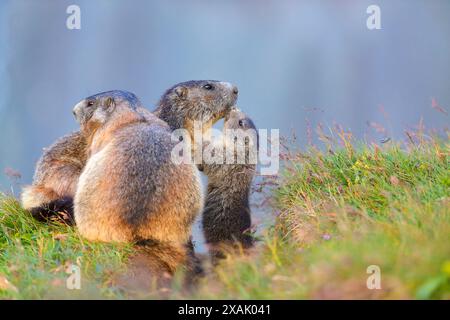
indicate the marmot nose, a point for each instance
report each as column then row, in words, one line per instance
column 235, row 90
column 76, row 109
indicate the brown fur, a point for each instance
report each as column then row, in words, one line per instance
column 57, row 172
column 189, row 101
column 56, row 177
column 226, row 216
column 175, row 111
column 60, row 166
column 126, row 191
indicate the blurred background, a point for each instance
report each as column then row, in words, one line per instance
column 295, row 62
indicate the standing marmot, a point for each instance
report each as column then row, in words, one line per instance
column 60, row 166
column 129, row 190
column 226, row 214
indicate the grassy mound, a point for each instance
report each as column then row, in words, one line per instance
column 342, row 214
column 35, row 258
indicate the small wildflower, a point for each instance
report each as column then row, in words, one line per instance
column 326, row 237
column 12, row 174
column 394, row 180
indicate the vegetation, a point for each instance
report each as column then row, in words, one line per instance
column 345, row 210
column 338, row 212
column 34, row 258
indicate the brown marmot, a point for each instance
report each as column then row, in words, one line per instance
column 226, row 215
column 50, row 197
column 57, row 171
column 129, row 189
column 206, row 101
column 55, row 179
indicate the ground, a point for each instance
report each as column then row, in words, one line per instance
column 340, row 214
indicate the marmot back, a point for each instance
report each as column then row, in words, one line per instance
column 129, row 190
column 56, row 175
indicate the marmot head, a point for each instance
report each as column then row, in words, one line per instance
column 236, row 119
column 239, row 144
column 241, row 136
column 239, row 122
column 201, row 100
column 95, row 111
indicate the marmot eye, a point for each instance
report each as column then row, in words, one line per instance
column 208, row 86
column 241, row 123
column 90, row 103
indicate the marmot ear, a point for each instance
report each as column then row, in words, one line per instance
column 181, row 91
column 109, row 102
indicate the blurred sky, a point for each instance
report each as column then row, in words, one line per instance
column 292, row 61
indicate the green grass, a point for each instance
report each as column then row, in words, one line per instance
column 340, row 212
column 34, row 258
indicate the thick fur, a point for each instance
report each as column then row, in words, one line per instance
column 60, row 209
column 190, row 101
column 129, row 190
column 160, row 256
column 178, row 108
column 139, row 280
column 226, row 216
column 56, row 176
column 60, row 166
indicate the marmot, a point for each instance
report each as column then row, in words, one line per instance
column 206, row 101
column 226, row 215
column 129, row 189
column 55, row 179
column 57, row 172
column 60, row 166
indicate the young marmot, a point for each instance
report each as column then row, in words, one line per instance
column 226, row 215
column 129, row 189
column 60, row 166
